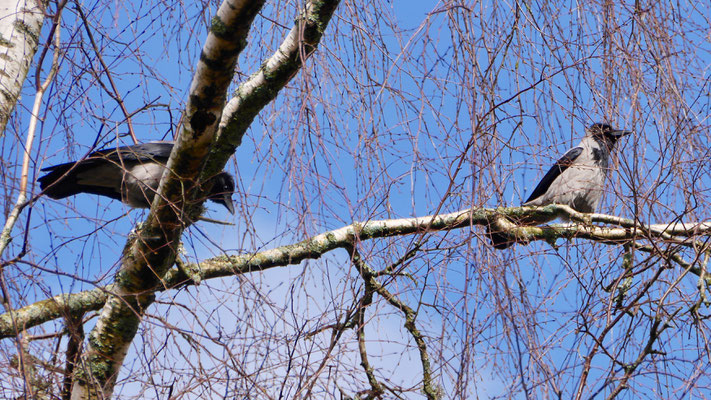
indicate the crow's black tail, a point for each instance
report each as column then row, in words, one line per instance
column 60, row 182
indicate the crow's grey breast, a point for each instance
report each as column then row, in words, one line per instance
column 577, row 179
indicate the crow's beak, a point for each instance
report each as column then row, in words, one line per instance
column 226, row 200
column 619, row 133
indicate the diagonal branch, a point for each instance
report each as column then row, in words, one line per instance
column 149, row 254
column 264, row 85
column 152, row 251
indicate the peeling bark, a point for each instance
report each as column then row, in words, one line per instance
column 20, row 28
column 152, row 251
column 149, row 254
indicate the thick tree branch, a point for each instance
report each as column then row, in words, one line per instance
column 53, row 308
column 264, row 85
column 626, row 229
column 343, row 238
column 150, row 253
column 19, row 37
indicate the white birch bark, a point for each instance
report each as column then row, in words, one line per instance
column 20, row 25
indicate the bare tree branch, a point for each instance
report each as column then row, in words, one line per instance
column 402, row 111
column 344, row 238
column 152, row 251
column 264, row 85
column 149, row 255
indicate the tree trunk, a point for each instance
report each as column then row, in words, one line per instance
column 20, row 27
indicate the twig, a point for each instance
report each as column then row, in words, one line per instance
column 430, row 389
column 114, row 92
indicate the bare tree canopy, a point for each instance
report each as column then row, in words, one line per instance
column 375, row 146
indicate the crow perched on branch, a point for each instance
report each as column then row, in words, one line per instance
column 130, row 174
column 577, row 179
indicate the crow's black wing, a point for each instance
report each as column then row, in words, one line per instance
column 566, row 161
column 154, row 151
column 65, row 180
column 101, row 172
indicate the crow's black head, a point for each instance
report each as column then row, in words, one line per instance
column 605, row 133
column 222, row 188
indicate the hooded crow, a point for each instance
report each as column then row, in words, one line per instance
column 128, row 173
column 578, row 178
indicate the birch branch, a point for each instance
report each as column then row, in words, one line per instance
column 344, row 238
column 20, row 29
column 152, row 251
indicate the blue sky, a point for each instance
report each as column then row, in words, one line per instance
column 374, row 127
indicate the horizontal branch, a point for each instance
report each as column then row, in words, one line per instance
column 344, row 237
